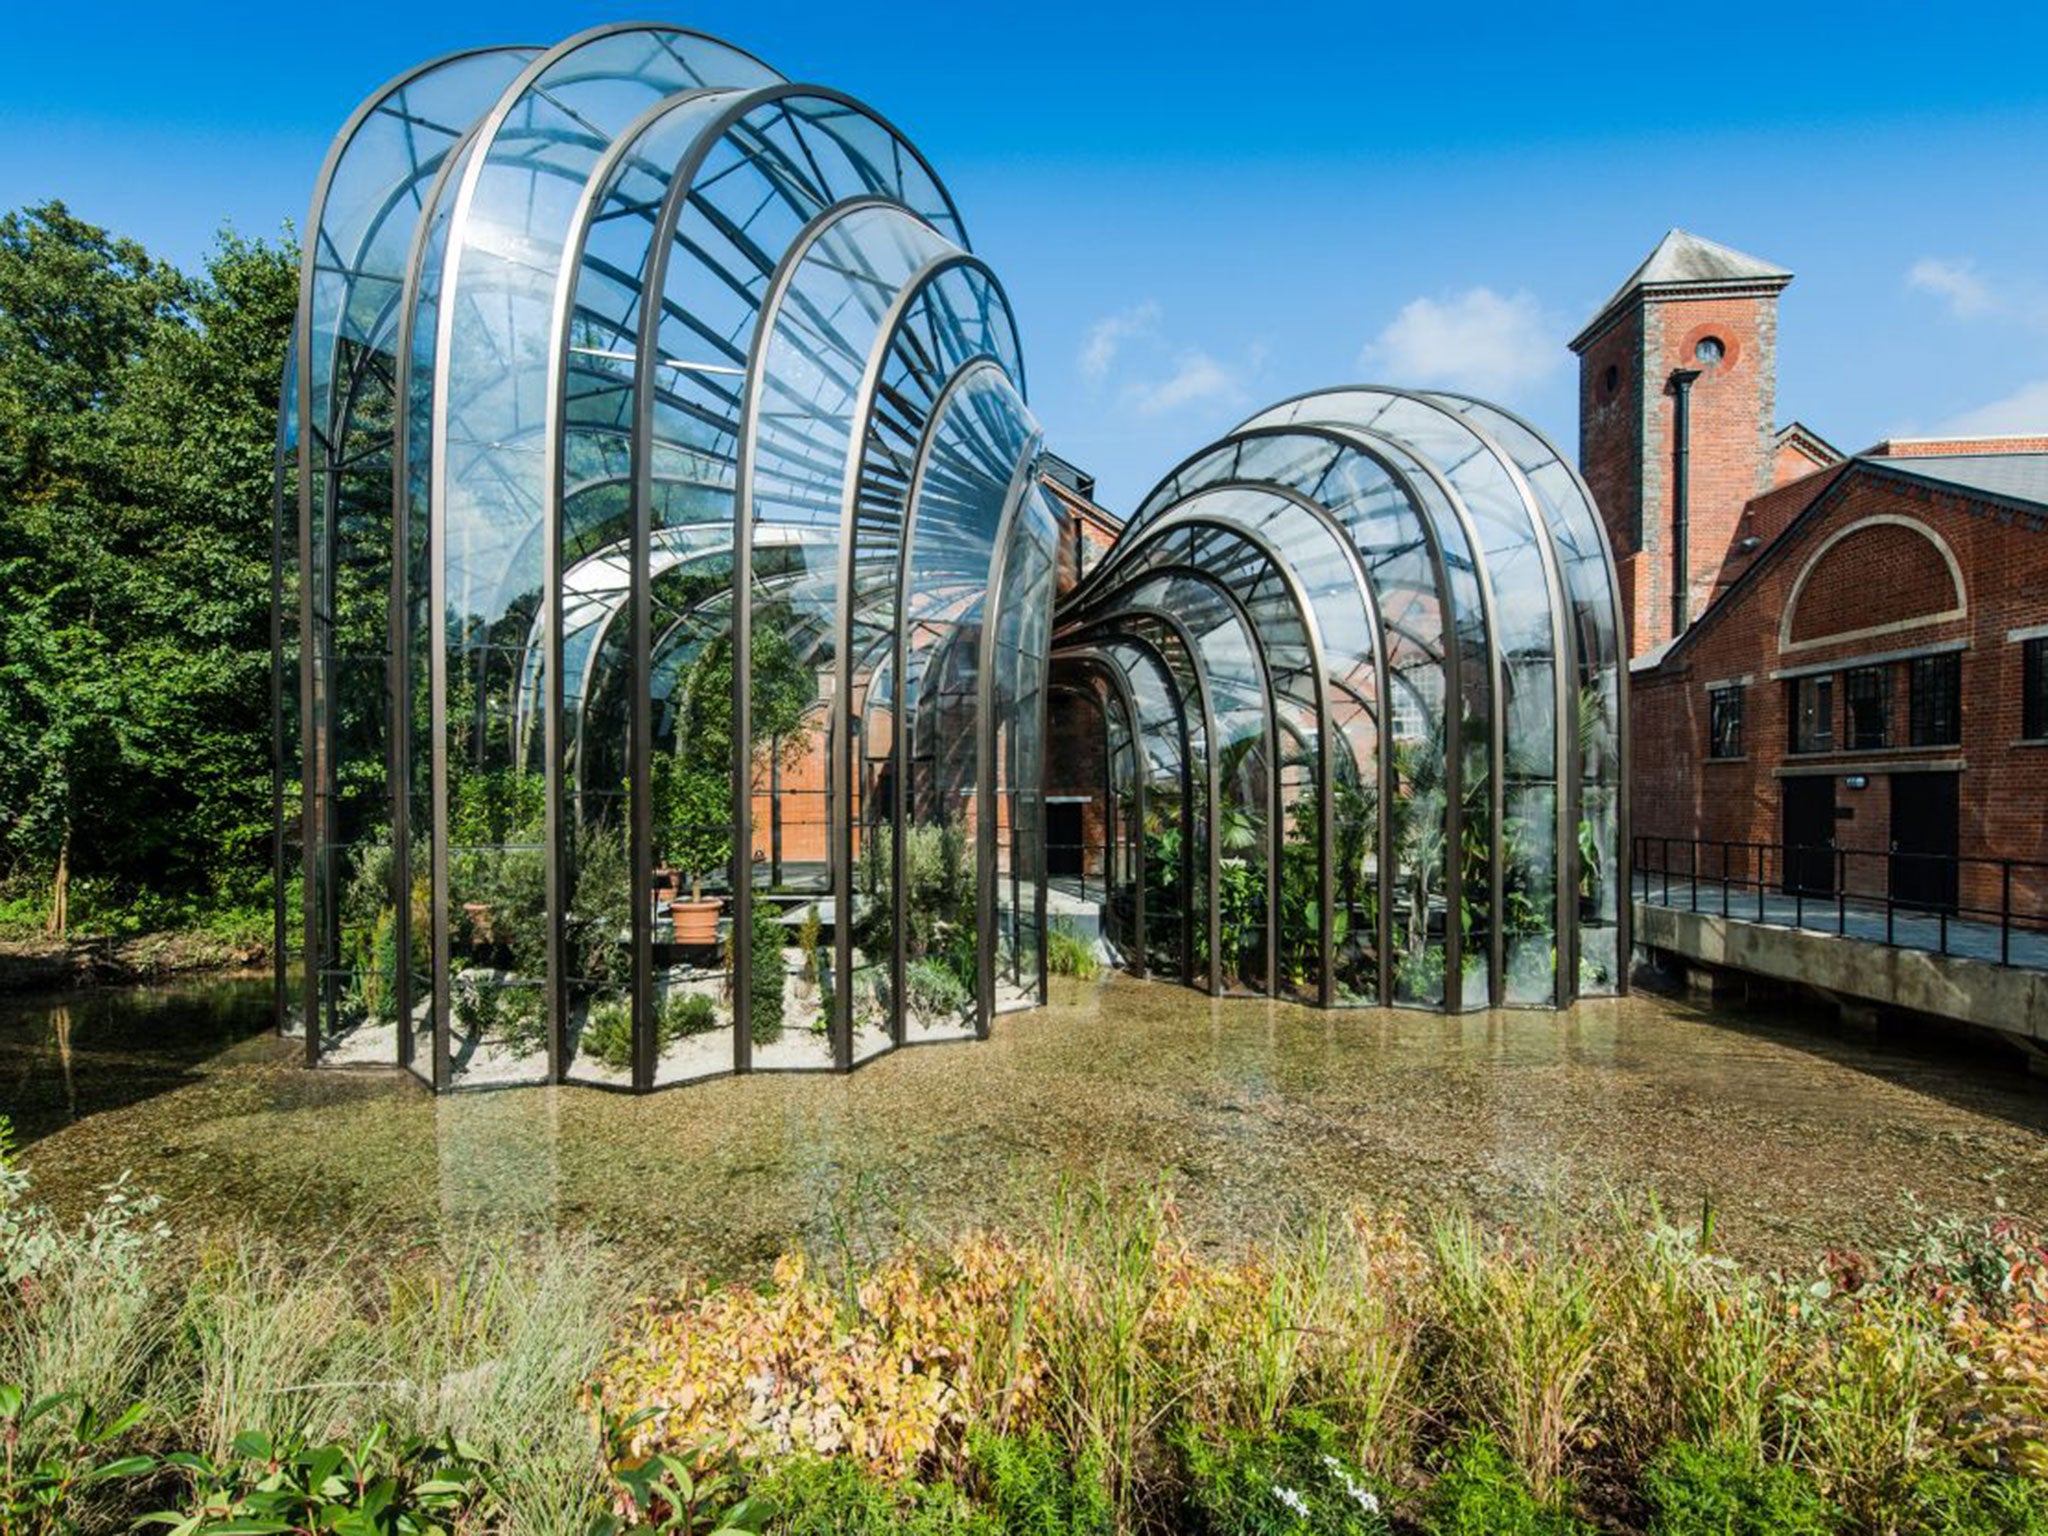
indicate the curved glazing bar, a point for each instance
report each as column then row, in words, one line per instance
column 826, row 325
column 965, row 487
column 949, row 314
column 1307, row 592
column 1410, row 555
column 767, row 165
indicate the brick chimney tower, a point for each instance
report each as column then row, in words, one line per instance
column 1677, row 395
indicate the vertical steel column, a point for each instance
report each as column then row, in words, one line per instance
column 985, row 735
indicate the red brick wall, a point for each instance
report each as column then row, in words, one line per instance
column 1610, row 443
column 1074, row 763
column 1882, row 573
column 1627, row 445
column 2003, row 787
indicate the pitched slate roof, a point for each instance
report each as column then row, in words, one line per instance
column 2013, row 476
column 1684, row 260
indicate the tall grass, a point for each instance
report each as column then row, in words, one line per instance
column 1522, row 1323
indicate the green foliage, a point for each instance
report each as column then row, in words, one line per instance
column 684, row 1014
column 665, row 1495
column 692, row 786
column 382, row 1486
column 769, row 1001
column 1068, row 953
column 1035, row 1487
column 45, row 1494
column 933, row 991
column 608, row 1032
column 1692, row 1491
column 1298, row 1482
column 838, row 1498
column 1478, row 1492
column 1955, row 1502
column 138, row 414
column 608, row 1026
column 1241, row 916
column 939, row 894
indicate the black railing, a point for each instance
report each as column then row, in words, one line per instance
column 1987, row 909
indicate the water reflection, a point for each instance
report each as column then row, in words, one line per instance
column 1252, row 1109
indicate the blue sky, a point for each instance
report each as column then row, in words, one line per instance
column 1198, row 209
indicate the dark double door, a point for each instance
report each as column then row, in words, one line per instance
column 1924, row 839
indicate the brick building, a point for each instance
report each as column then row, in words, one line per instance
column 1846, row 654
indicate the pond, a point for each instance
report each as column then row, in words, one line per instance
column 1249, row 1111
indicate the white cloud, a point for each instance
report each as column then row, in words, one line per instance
column 1968, row 295
column 1107, row 336
column 1478, row 340
column 1198, row 377
column 2024, row 410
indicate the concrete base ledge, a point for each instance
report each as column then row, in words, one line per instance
column 2013, row 1002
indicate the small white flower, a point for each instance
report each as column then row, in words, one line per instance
column 1360, row 1495
column 1292, row 1500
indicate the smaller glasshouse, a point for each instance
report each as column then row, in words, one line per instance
column 684, row 645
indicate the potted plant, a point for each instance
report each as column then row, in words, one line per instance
column 693, row 799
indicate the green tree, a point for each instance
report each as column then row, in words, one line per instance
column 137, row 422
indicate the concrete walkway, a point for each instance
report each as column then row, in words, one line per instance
column 1857, row 919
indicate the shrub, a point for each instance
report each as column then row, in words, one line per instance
column 770, row 976
column 1697, row 1492
column 684, row 1014
column 421, row 1487
column 933, row 991
column 1036, row 1488
column 1968, row 1503
column 1295, row 1482
column 1478, row 1492
column 47, row 1493
column 1068, row 953
column 811, row 1497
column 608, row 1032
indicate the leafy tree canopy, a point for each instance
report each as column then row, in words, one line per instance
column 137, row 428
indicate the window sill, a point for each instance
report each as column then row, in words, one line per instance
column 1743, row 757
column 2031, row 741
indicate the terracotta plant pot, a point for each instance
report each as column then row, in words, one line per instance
column 696, row 922
column 481, row 928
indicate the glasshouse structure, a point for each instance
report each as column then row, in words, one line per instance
column 673, row 609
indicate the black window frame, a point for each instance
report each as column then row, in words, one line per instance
column 2034, row 689
column 1726, row 706
column 1863, row 688
column 1798, row 740
column 1934, row 688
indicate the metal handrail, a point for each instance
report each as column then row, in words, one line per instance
column 1665, row 857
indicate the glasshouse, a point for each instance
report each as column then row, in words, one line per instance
column 687, row 645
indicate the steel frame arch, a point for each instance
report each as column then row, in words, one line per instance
column 1564, row 707
column 1312, row 642
column 1185, row 513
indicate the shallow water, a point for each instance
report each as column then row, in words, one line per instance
column 1250, row 1111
